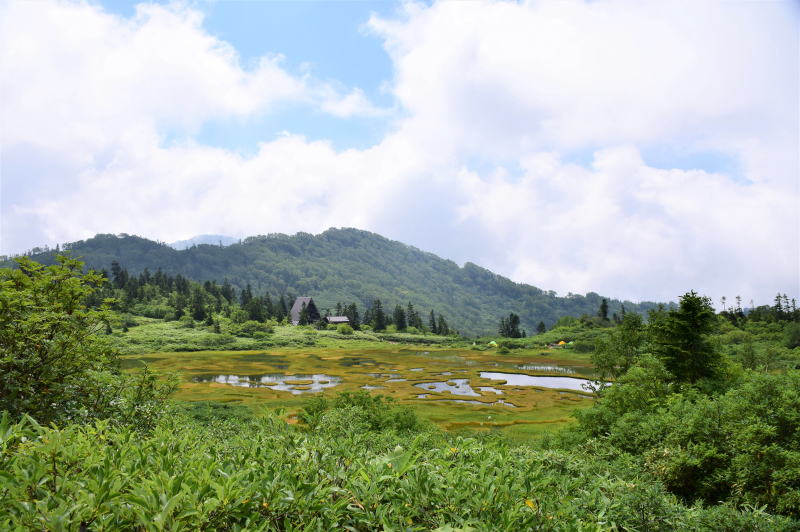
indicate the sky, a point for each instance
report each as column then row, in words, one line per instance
column 632, row 148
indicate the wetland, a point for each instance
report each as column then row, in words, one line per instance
column 520, row 393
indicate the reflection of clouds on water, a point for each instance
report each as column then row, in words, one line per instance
column 518, row 379
column 278, row 382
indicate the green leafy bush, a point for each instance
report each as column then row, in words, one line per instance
column 250, row 327
column 344, row 328
column 266, row 475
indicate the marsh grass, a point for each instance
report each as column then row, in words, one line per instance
column 397, row 369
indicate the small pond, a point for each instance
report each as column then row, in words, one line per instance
column 518, row 379
column 296, row 384
column 455, row 387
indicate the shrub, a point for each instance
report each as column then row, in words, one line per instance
column 791, row 335
column 239, row 316
column 250, row 327
column 53, row 365
column 359, row 409
column 344, row 328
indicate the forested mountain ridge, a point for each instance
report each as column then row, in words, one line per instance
column 347, row 265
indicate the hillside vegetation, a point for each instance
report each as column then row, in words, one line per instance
column 348, row 265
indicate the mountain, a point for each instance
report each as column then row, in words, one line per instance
column 213, row 240
column 349, row 265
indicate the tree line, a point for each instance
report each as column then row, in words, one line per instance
column 163, row 296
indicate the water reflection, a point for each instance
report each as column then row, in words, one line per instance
column 553, row 369
column 295, row 384
column 455, row 387
column 518, row 379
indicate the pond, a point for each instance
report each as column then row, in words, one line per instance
column 541, row 381
column 455, row 387
column 295, row 384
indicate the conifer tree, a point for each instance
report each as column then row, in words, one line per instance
column 680, row 337
column 603, row 311
column 378, row 316
column 442, row 327
column 400, row 318
column 351, row 311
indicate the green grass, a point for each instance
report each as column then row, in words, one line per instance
column 153, row 335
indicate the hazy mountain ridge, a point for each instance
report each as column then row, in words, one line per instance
column 213, row 240
column 349, row 265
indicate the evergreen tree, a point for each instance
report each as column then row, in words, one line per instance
column 509, row 327
column 228, row 291
column 197, row 304
column 282, row 309
column 269, row 309
column 680, row 337
column 118, row 275
column 378, row 316
column 400, row 318
column 255, row 309
column 442, row 327
column 351, row 311
column 541, row 328
column 432, row 323
column 246, row 296
column 603, row 311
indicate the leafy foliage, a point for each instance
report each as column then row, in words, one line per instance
column 267, row 475
column 53, row 366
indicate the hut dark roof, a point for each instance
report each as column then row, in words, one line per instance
column 313, row 313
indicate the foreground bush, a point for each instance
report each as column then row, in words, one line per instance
column 54, row 366
column 742, row 445
column 267, row 475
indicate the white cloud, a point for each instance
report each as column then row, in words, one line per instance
column 497, row 98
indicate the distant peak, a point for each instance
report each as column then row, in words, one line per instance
column 212, row 240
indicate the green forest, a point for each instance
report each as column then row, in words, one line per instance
column 346, row 265
column 694, row 422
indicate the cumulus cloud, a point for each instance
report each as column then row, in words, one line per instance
column 522, row 145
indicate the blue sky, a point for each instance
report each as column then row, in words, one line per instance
column 327, row 39
column 638, row 150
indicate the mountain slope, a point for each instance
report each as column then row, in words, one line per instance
column 349, row 265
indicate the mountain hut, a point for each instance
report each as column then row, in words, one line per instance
column 311, row 309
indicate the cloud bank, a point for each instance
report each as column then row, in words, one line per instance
column 524, row 139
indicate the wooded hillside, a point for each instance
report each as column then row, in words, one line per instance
column 349, row 265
